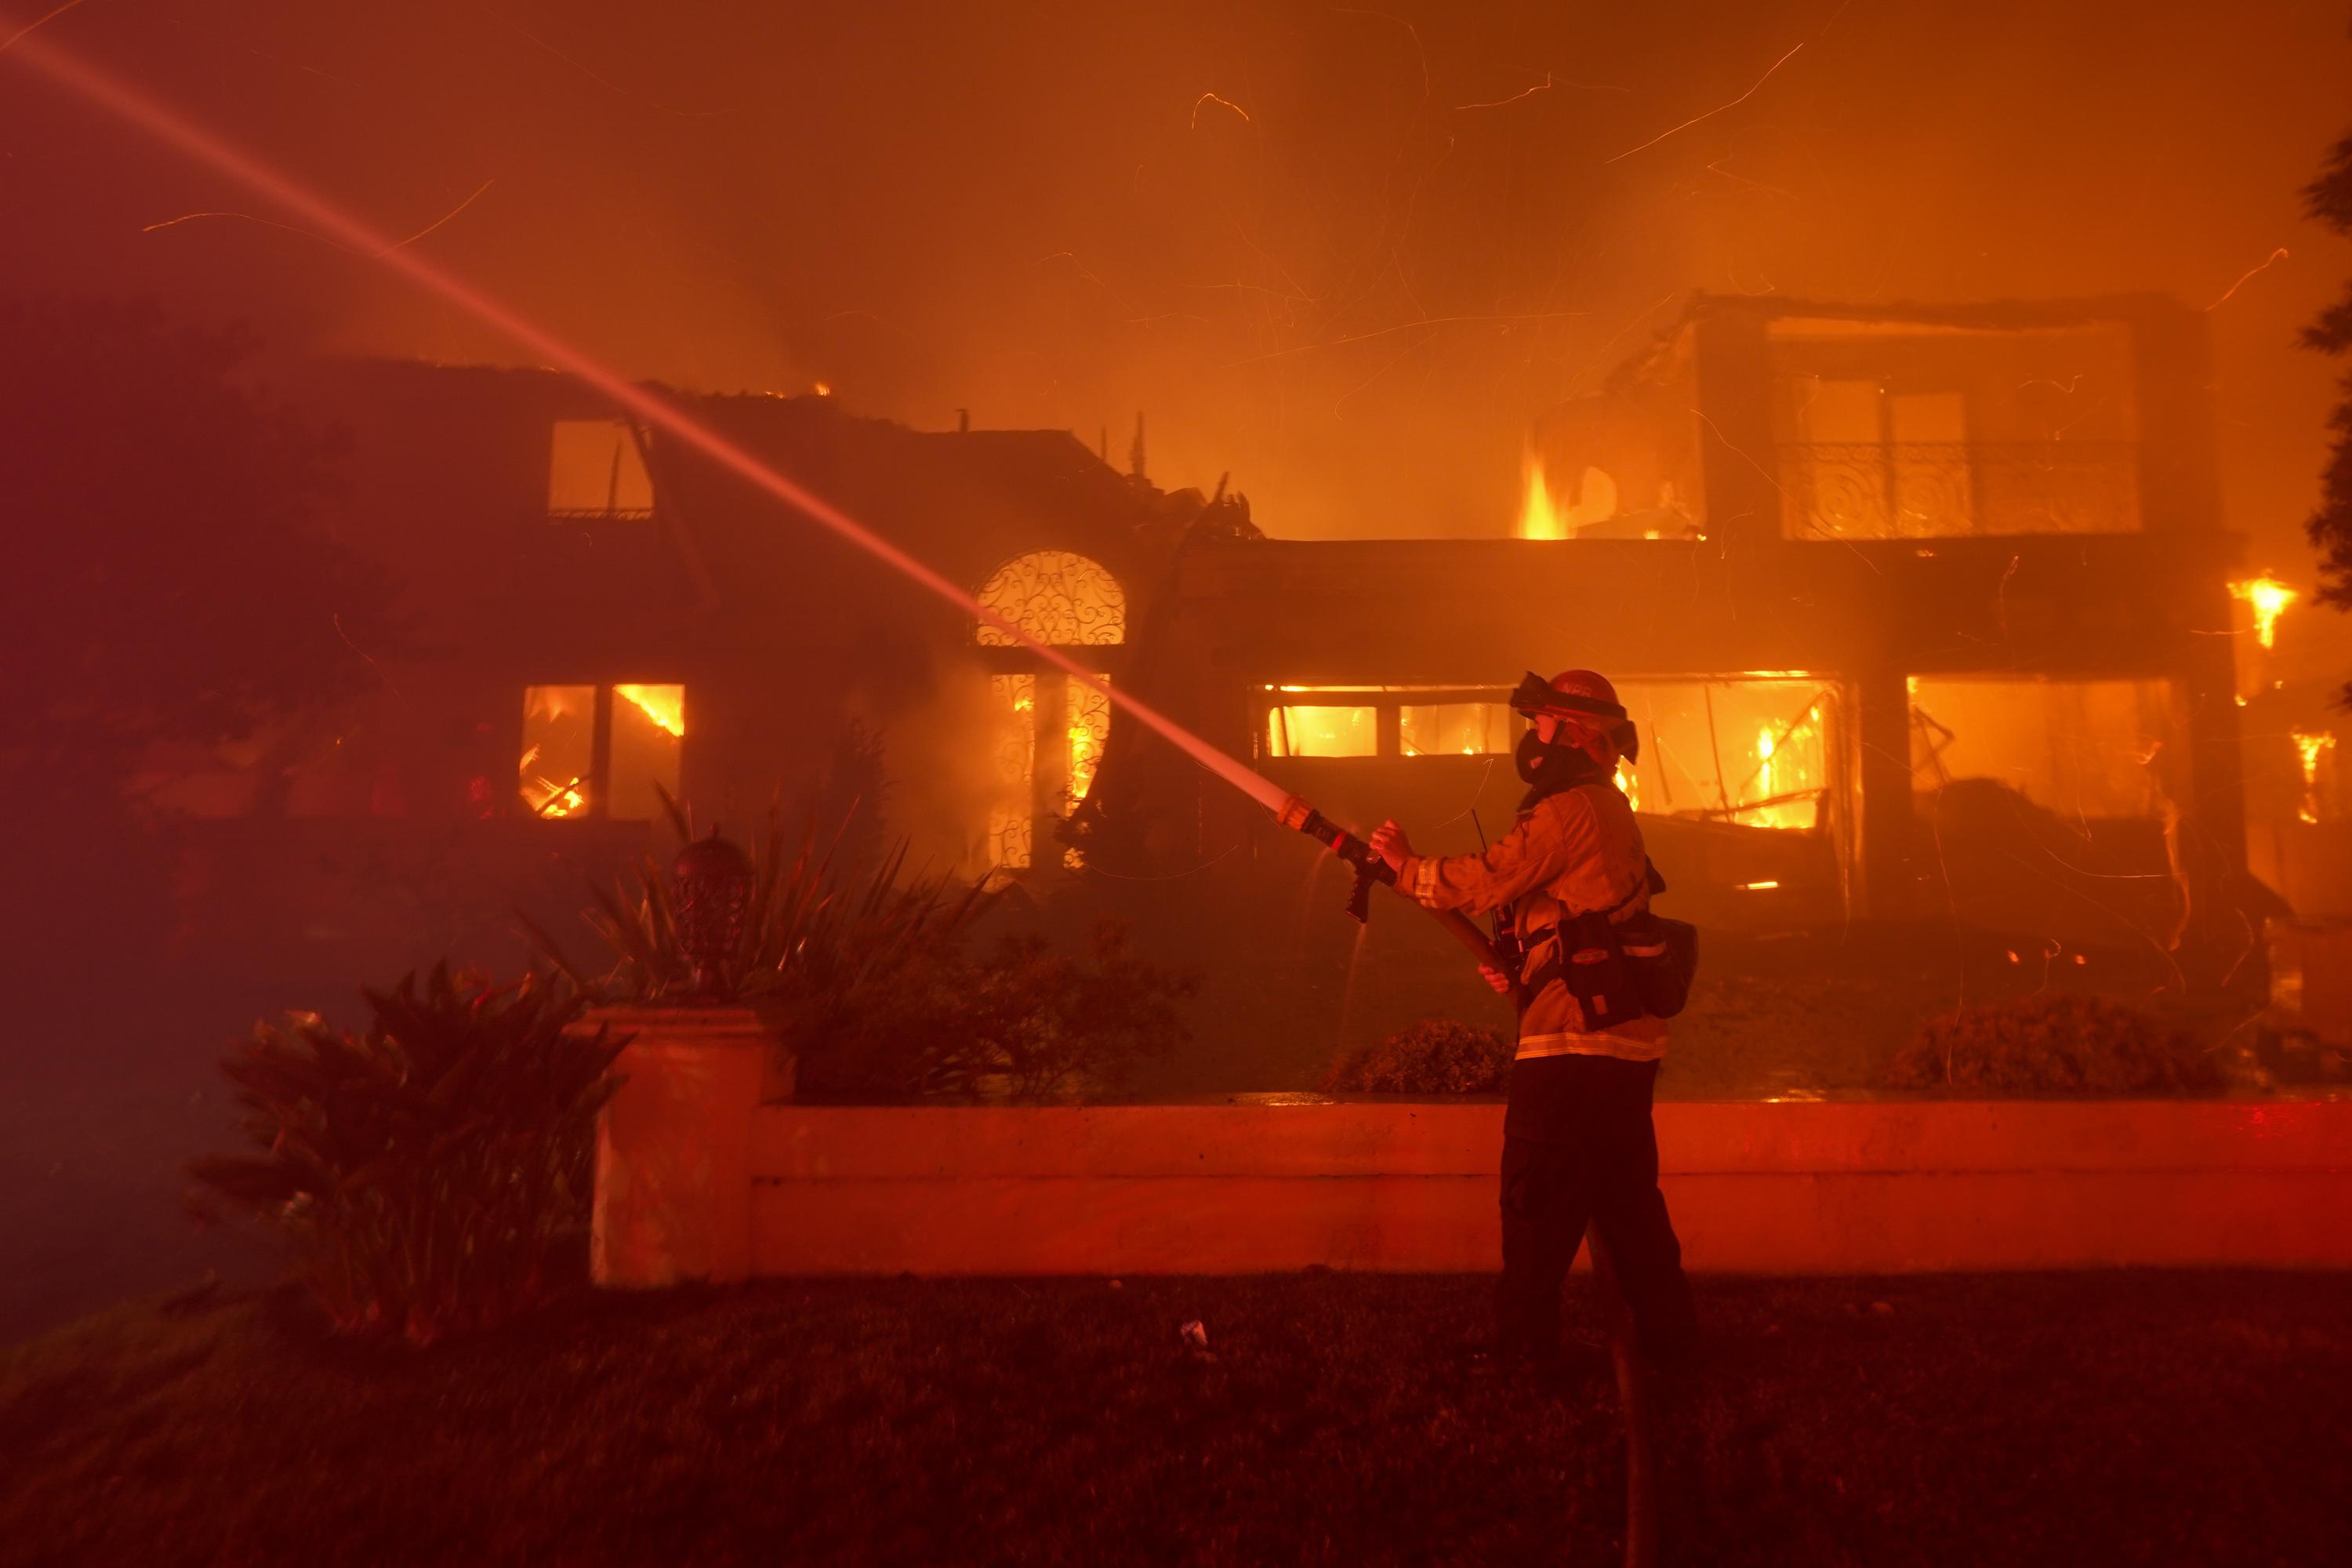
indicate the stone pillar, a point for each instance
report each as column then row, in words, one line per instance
column 2181, row 503
column 1887, row 832
column 674, row 1145
column 1739, row 464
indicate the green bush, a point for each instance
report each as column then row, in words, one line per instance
column 425, row 1171
column 1436, row 1055
column 2051, row 1045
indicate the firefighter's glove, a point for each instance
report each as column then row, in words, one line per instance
column 1390, row 845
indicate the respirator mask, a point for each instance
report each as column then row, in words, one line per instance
column 1534, row 759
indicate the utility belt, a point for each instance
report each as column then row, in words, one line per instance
column 1619, row 970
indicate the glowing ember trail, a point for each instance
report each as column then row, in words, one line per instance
column 2275, row 258
column 315, row 210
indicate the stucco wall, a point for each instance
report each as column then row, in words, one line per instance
column 1280, row 1183
column 1796, row 1188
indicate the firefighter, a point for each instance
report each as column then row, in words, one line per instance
column 1578, row 1142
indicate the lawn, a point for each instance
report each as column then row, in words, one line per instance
column 2108, row 1419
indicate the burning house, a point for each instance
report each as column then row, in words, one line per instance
column 599, row 620
column 1921, row 613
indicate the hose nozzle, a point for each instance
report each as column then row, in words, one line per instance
column 1297, row 815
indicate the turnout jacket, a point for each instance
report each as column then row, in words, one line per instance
column 1573, row 852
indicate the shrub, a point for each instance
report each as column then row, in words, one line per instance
column 425, row 1170
column 1436, row 1055
column 816, row 922
column 2051, row 1045
column 869, row 981
column 1024, row 1020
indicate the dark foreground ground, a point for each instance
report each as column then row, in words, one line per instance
column 2109, row 1418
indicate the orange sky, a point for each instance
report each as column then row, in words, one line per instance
column 1343, row 253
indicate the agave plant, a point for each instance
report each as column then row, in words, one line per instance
column 817, row 923
column 425, row 1169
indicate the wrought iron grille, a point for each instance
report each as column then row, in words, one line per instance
column 1926, row 489
column 1058, row 597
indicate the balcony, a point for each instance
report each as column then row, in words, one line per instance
column 1926, row 489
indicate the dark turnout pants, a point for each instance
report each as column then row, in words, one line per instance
column 1577, row 1147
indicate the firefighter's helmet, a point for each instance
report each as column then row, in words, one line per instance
column 1588, row 703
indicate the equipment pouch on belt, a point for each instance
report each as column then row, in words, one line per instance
column 1663, row 956
column 1598, row 972
column 1619, row 972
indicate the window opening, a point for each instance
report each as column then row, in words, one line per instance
column 1344, row 721
column 1881, row 456
column 1088, row 712
column 1317, row 731
column 1454, row 729
column 1755, row 749
column 1051, row 729
column 1011, row 820
column 559, row 748
column 1061, row 598
column 2079, row 748
column 596, row 471
column 648, row 735
column 601, row 750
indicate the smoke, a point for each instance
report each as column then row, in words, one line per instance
column 1346, row 255
column 941, row 761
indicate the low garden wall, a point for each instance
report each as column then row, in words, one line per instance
column 697, row 1178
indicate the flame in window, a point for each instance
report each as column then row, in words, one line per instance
column 1089, row 714
column 553, row 800
column 665, row 705
column 2268, row 598
column 1089, row 727
column 1317, row 730
column 558, row 729
column 1790, row 768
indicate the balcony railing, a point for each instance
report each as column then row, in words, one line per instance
column 1939, row 488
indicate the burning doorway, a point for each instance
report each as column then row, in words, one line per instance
column 1049, row 729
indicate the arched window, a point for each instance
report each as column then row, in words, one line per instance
column 1050, row 728
column 1056, row 596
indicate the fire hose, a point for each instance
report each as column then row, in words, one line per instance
column 1633, row 1402
column 1298, row 814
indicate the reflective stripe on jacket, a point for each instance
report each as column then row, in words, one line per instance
column 1576, row 851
